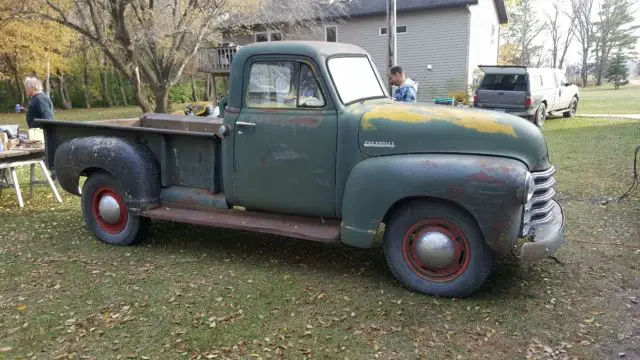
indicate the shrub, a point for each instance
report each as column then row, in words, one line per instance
column 462, row 97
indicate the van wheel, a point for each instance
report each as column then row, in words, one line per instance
column 541, row 116
column 106, row 213
column 436, row 249
column 573, row 109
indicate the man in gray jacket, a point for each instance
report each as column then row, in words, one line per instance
column 40, row 106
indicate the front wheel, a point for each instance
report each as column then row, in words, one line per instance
column 106, row 213
column 437, row 249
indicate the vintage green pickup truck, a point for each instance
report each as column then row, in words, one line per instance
column 311, row 147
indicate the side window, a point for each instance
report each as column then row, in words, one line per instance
column 310, row 95
column 283, row 85
column 272, row 84
column 563, row 79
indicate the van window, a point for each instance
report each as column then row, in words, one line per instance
column 504, row 82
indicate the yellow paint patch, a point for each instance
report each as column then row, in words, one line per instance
column 481, row 122
column 391, row 113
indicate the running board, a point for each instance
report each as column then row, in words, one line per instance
column 306, row 228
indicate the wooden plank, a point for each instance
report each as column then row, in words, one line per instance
column 314, row 229
column 12, row 153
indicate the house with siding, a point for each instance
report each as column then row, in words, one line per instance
column 439, row 42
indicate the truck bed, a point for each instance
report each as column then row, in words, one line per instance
column 187, row 147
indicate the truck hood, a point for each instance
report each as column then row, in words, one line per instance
column 391, row 128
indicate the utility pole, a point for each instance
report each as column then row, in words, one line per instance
column 391, row 33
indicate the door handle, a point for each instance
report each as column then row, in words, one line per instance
column 245, row 124
column 242, row 124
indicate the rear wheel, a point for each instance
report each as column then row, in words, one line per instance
column 573, row 109
column 106, row 213
column 437, row 249
column 541, row 115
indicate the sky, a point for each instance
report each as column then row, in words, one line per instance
column 573, row 55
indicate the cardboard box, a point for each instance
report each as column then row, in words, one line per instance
column 36, row 134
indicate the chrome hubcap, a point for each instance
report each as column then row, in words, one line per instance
column 109, row 209
column 435, row 249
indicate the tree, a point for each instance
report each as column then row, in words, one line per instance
column 638, row 68
column 561, row 38
column 509, row 54
column 30, row 48
column 614, row 30
column 581, row 12
column 523, row 29
column 618, row 72
column 150, row 42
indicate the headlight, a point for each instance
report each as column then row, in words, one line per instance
column 529, row 187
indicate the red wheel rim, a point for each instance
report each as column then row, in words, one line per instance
column 462, row 250
column 121, row 223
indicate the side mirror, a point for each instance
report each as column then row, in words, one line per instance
column 222, row 105
column 568, row 83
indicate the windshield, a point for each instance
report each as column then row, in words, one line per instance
column 355, row 79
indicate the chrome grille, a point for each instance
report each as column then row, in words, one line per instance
column 538, row 209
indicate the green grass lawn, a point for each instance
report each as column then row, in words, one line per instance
column 78, row 115
column 606, row 100
column 190, row 292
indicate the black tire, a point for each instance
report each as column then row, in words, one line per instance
column 541, row 115
column 573, row 108
column 128, row 229
column 472, row 269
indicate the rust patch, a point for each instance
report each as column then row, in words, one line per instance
column 288, row 155
column 303, row 122
column 485, row 178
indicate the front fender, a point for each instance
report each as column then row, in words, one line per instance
column 132, row 164
column 490, row 189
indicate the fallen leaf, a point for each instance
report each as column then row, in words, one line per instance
column 5, row 349
column 21, row 307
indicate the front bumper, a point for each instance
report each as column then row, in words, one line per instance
column 547, row 237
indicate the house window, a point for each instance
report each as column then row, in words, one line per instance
column 402, row 29
column 266, row 36
column 331, row 33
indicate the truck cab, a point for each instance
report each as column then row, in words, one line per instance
column 311, row 146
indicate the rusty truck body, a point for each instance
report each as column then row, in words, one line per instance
column 311, row 146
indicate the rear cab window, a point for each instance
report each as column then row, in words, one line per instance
column 505, row 82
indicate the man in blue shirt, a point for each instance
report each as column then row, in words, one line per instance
column 407, row 89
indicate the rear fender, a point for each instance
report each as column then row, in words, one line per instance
column 490, row 189
column 132, row 164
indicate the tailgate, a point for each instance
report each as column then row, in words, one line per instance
column 501, row 99
column 503, row 90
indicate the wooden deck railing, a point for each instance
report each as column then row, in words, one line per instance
column 216, row 60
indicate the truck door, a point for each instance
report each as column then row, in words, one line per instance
column 285, row 139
